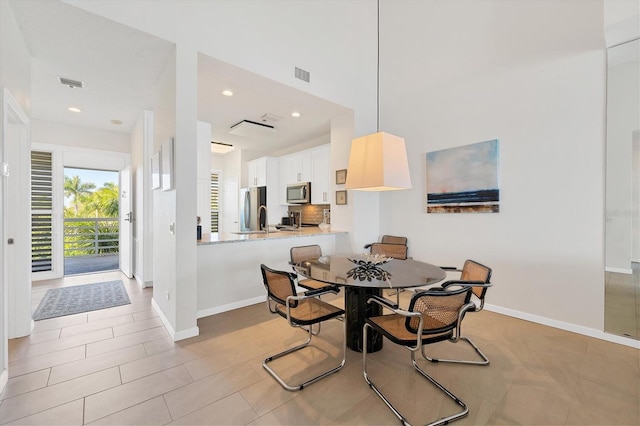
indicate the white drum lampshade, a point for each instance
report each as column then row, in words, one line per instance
column 378, row 162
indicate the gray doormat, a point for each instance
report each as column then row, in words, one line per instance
column 62, row 301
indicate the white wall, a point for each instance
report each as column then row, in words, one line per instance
column 15, row 76
column 79, row 136
column 461, row 72
column 621, row 21
column 15, row 62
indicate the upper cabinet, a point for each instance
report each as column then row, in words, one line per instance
column 321, row 176
column 296, row 168
column 259, row 171
column 311, row 165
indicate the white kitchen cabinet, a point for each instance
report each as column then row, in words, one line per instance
column 321, row 177
column 311, row 165
column 257, row 171
column 297, row 167
column 263, row 171
column 294, row 168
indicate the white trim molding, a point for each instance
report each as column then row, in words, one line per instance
column 180, row 335
column 565, row 326
column 619, row 270
column 230, row 306
column 4, row 378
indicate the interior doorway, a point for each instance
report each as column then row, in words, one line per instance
column 91, row 221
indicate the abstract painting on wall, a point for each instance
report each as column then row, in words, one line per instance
column 464, row 179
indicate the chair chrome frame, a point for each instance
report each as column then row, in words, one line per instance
column 299, row 254
column 293, row 300
column 476, row 308
column 413, row 349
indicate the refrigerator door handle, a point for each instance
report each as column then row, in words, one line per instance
column 247, row 210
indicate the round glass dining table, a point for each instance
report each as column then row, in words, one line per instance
column 364, row 279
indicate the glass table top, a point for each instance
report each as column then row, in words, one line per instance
column 343, row 270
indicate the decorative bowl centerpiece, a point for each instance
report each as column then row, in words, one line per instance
column 370, row 259
column 369, row 267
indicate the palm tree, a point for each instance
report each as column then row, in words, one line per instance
column 105, row 200
column 75, row 189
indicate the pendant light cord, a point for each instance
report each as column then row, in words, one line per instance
column 378, row 75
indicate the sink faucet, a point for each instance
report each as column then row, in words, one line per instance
column 266, row 220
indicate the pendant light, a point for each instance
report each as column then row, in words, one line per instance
column 378, row 162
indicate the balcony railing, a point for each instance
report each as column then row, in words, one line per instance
column 90, row 236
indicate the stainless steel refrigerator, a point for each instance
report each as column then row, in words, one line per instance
column 252, row 217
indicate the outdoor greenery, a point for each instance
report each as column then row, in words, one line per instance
column 91, row 218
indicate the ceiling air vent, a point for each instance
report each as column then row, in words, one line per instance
column 270, row 117
column 303, row 75
column 73, row 84
column 251, row 128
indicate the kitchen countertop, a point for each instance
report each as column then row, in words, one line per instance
column 228, row 237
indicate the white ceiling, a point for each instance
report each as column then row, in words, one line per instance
column 120, row 66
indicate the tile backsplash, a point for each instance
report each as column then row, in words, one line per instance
column 311, row 213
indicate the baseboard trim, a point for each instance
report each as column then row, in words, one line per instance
column 229, row 307
column 180, row 335
column 4, row 378
column 626, row 341
column 628, row 271
column 143, row 284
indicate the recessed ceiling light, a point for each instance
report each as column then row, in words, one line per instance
column 227, row 92
column 295, row 114
column 74, row 109
column 116, row 122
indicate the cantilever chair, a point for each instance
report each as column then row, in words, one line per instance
column 391, row 246
column 475, row 276
column 300, row 311
column 302, row 253
column 433, row 316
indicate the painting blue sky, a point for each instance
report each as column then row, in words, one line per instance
column 463, row 179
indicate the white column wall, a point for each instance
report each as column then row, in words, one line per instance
column 164, row 203
column 204, row 175
column 186, row 191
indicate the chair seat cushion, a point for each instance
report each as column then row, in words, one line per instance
column 312, row 284
column 394, row 328
column 310, row 311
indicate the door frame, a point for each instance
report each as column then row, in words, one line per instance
column 15, row 289
column 70, row 156
column 126, row 218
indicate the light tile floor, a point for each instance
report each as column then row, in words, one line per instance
column 119, row 367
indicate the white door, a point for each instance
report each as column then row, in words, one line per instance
column 126, row 223
column 230, row 205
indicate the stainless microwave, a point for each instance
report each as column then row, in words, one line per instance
column 299, row 193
